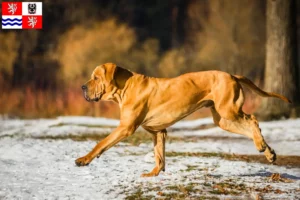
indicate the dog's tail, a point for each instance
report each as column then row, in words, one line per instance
column 249, row 84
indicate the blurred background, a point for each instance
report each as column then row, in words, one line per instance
column 41, row 71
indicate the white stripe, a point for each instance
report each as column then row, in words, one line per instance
column 12, row 16
column 39, row 8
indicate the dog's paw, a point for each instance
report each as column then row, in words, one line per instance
column 83, row 161
column 270, row 155
column 151, row 174
column 154, row 172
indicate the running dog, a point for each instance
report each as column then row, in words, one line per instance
column 157, row 103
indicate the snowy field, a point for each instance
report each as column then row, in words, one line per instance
column 203, row 162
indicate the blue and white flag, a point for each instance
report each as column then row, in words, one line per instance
column 12, row 22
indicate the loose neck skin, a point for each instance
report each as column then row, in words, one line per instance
column 117, row 95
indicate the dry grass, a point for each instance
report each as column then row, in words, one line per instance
column 84, row 47
column 32, row 103
column 8, row 52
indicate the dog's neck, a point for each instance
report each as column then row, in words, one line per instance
column 117, row 97
column 118, row 94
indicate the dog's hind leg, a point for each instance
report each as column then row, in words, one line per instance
column 159, row 139
column 246, row 125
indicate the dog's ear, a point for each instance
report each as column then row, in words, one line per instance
column 115, row 75
column 120, row 77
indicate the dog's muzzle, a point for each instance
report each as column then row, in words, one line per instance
column 84, row 89
column 97, row 98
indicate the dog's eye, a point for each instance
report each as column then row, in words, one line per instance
column 95, row 78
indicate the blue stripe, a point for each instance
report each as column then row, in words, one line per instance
column 11, row 24
column 11, row 19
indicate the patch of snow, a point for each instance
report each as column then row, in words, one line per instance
column 96, row 121
column 45, row 169
column 149, row 157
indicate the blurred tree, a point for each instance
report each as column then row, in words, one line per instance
column 156, row 38
column 281, row 71
column 178, row 16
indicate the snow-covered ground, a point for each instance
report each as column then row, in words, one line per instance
column 37, row 162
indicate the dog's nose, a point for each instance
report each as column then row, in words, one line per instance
column 84, row 87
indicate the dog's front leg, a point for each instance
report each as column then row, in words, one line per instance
column 117, row 135
column 159, row 140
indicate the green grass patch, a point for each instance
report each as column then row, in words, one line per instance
column 135, row 139
column 291, row 161
column 192, row 154
column 138, row 194
column 191, row 167
column 228, row 188
column 83, row 125
column 83, row 137
column 188, row 191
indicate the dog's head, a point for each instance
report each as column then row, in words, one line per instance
column 105, row 80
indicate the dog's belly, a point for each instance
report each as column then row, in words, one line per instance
column 167, row 115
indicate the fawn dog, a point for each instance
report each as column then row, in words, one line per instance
column 157, row 103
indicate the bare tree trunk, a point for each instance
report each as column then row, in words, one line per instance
column 280, row 71
column 177, row 19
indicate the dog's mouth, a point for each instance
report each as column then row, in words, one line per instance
column 91, row 99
